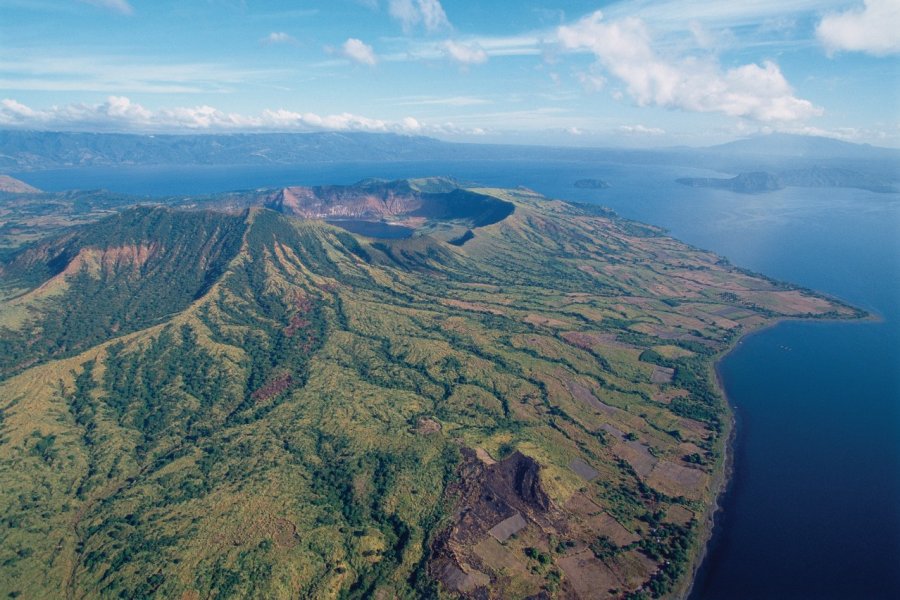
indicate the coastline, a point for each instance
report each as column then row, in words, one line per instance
column 723, row 479
column 721, row 484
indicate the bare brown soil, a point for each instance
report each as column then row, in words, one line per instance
column 427, row 426
column 492, row 502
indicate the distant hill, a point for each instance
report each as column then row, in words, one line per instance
column 836, row 177
column 821, row 177
column 35, row 150
column 11, row 185
column 786, row 145
column 794, row 159
column 744, row 183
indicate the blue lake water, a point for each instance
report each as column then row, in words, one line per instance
column 814, row 507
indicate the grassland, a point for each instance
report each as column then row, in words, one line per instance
column 528, row 411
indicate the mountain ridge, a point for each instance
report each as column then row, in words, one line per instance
column 22, row 150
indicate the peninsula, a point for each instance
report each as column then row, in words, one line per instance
column 230, row 396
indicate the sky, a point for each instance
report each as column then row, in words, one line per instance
column 639, row 73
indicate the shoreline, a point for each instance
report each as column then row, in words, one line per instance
column 722, row 483
column 723, row 480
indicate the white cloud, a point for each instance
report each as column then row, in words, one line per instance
column 465, row 54
column 457, row 101
column 641, row 130
column 119, row 6
column 360, row 52
column 591, row 82
column 410, row 124
column 123, row 74
column 410, row 13
column 625, row 49
column 873, row 28
column 118, row 113
column 673, row 14
column 279, row 37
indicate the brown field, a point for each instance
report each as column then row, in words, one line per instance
column 638, row 456
column 507, row 528
column 676, row 480
column 542, row 321
column 662, row 374
column 584, row 395
column 588, row 577
column 679, row 515
column 605, row 525
column 583, row 469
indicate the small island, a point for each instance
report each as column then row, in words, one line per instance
column 744, row 183
column 591, row 184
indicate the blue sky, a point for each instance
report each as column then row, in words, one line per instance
column 637, row 73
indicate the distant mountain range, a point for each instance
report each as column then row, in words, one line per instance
column 783, row 159
column 33, row 150
column 27, row 150
column 786, row 145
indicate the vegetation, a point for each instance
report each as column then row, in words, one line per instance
column 202, row 404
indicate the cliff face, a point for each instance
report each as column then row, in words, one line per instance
column 379, row 201
column 435, row 199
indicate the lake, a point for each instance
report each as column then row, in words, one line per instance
column 814, row 506
column 374, row 229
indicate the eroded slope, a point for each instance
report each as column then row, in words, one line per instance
column 531, row 413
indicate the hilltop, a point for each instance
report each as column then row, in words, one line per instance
column 527, row 410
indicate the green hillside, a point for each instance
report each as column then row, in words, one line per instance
column 209, row 405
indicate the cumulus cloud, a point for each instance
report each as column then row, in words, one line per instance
column 410, row 13
column 465, row 54
column 360, row 52
column 279, row 37
column 119, row 113
column 119, row 6
column 625, row 49
column 873, row 28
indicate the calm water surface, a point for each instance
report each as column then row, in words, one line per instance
column 814, row 507
column 374, row 229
